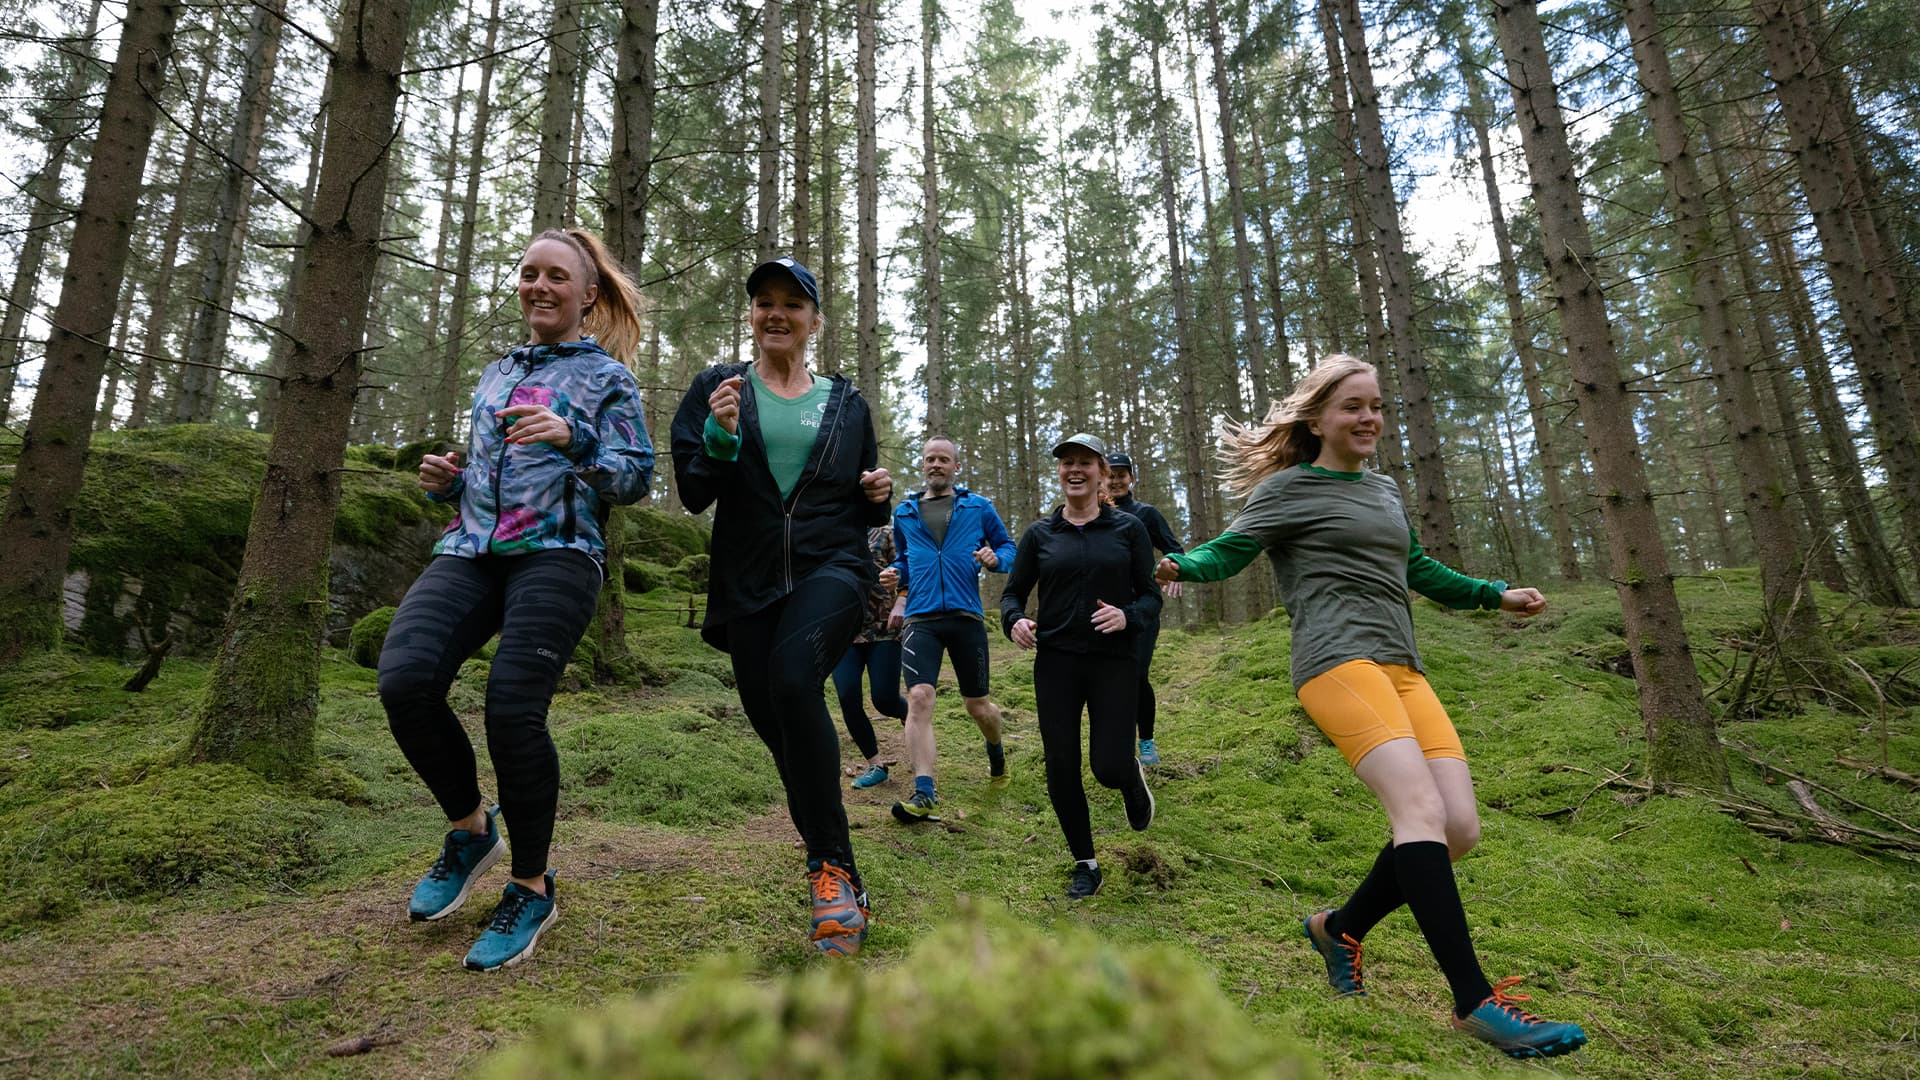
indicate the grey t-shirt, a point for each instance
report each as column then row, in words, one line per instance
column 935, row 512
column 1339, row 548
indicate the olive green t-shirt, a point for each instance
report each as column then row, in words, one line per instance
column 1343, row 553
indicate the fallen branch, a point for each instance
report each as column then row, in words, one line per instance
column 1885, row 772
column 1832, row 827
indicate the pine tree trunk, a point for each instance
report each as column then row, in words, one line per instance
column 43, row 194
column 261, row 700
column 803, row 133
column 1479, row 112
column 1824, row 158
column 209, row 320
column 866, row 120
column 116, row 362
column 442, row 405
column 1236, row 206
column 1215, row 265
column 1416, row 397
column 1071, row 352
column 576, row 161
column 37, row 529
column 830, row 338
column 767, row 152
column 630, row 163
column 268, row 399
column 1792, row 612
column 160, row 297
column 1282, row 367
column 1683, row 747
column 939, row 397
column 1193, row 430
column 446, row 413
column 550, row 173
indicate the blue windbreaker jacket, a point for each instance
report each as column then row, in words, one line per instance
column 945, row 577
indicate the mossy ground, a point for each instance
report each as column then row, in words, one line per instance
column 168, row 919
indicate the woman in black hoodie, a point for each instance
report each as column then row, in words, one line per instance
column 790, row 459
column 1094, row 568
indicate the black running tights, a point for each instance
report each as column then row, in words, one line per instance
column 1065, row 683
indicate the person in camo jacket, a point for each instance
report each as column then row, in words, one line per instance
column 557, row 437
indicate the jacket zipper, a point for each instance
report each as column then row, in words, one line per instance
column 566, row 520
column 500, row 466
column 826, row 455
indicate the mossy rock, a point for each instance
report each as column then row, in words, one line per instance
column 656, row 535
column 695, row 568
column 369, row 634
column 373, row 455
column 406, row 457
column 1007, row 1001
column 640, row 575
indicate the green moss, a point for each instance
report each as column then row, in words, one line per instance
column 672, row 766
column 974, row 1000
column 659, row 536
column 368, row 635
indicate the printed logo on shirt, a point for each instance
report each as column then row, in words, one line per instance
column 813, row 421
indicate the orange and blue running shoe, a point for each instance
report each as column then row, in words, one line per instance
column 1498, row 1022
column 840, row 912
column 1342, row 956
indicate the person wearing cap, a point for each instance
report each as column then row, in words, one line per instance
column 789, row 461
column 1120, row 480
column 1345, row 557
column 943, row 536
column 1093, row 567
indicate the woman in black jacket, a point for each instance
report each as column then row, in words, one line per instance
column 1094, row 568
column 790, row 459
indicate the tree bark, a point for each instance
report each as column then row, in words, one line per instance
column 1256, row 345
column 43, row 193
column 160, row 298
column 803, row 133
column 767, row 216
column 1282, row 367
column 446, row 413
column 938, row 395
column 550, row 173
column 866, row 121
column 37, row 529
column 268, row 399
column 208, row 323
column 261, row 700
column 1683, row 747
column 1793, row 615
column 630, row 163
column 1416, row 397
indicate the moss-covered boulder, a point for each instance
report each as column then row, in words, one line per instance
column 160, row 528
column 1002, row 1001
column 664, row 537
column 368, row 635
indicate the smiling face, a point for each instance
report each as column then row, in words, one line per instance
column 556, row 287
column 1082, row 473
column 1349, row 423
column 1119, row 483
column 937, row 466
column 783, row 318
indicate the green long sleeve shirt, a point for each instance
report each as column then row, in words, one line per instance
column 1345, row 555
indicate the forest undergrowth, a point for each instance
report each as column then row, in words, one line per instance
column 172, row 918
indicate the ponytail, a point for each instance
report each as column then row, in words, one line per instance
column 613, row 319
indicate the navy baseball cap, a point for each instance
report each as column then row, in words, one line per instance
column 1083, row 440
column 1119, row 461
column 787, row 267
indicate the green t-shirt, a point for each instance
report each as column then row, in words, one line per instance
column 1344, row 555
column 788, row 427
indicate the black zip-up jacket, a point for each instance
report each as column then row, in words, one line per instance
column 1109, row 558
column 762, row 544
column 1158, row 530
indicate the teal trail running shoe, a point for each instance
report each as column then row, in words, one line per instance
column 1148, row 754
column 1342, row 956
column 1498, row 1022
column 517, row 923
column 840, row 912
column 463, row 858
column 873, row 777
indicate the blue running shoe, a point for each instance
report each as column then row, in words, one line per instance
column 873, row 777
column 516, row 926
column 1498, row 1022
column 1148, row 755
column 1342, row 956
column 463, row 858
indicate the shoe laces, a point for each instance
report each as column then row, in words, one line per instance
column 1504, row 999
column 922, row 799
column 508, row 913
column 443, row 864
column 829, row 883
column 1352, row 949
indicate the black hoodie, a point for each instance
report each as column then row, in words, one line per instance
column 1109, row 558
column 763, row 544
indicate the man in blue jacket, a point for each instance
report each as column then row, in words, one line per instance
column 942, row 537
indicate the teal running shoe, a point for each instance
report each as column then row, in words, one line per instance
column 463, row 858
column 1342, row 956
column 917, row 808
column 517, row 923
column 1148, row 754
column 1500, row 1023
column 873, row 777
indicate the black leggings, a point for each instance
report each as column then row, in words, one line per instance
column 781, row 656
column 540, row 603
column 1106, row 687
column 1143, row 644
column 880, row 662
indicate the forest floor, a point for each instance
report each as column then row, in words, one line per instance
column 177, row 919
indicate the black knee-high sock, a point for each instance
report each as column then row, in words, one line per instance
column 1426, row 878
column 1377, row 897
